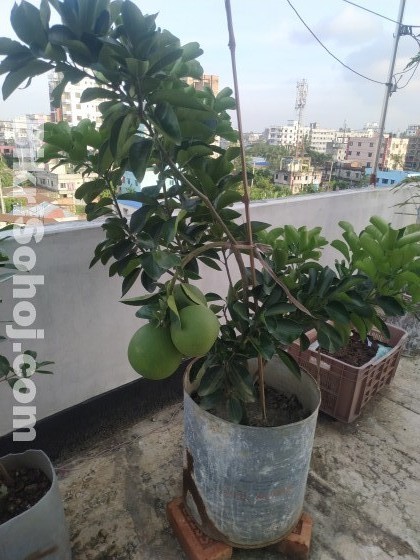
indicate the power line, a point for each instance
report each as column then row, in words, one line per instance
column 329, row 52
column 370, row 11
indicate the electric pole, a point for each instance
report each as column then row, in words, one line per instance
column 389, row 89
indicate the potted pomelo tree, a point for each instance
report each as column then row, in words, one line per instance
column 244, row 475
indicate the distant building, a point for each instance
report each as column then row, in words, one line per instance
column 391, row 177
column 297, row 173
column 337, row 150
column 61, row 180
column 286, row 135
column 412, row 156
column 361, row 150
column 320, row 138
column 22, row 138
column 252, row 138
column 352, row 173
column 412, row 130
column 208, row 80
column 71, row 109
column 129, row 183
column 6, row 150
column 395, row 153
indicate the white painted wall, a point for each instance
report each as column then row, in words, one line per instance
column 87, row 330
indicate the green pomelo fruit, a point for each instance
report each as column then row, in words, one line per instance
column 198, row 330
column 183, row 300
column 152, row 354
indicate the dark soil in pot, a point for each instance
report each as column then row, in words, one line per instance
column 357, row 352
column 26, row 488
column 282, row 409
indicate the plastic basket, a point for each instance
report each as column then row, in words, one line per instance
column 346, row 389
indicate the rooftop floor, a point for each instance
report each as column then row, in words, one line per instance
column 363, row 488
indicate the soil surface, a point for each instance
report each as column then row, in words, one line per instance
column 281, row 408
column 27, row 488
column 357, row 352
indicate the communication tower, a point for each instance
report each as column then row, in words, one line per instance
column 301, row 95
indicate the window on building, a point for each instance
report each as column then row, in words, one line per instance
column 357, row 153
column 371, row 144
column 356, row 175
column 286, row 177
column 368, row 164
column 359, row 143
column 350, row 153
column 392, row 181
column 384, row 181
column 347, row 173
column 370, row 154
column 350, row 143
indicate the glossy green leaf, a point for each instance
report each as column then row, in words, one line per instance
column 10, row 47
column 92, row 93
column 129, row 281
column 360, row 325
column 167, row 121
column 235, row 410
column 329, row 338
column 139, row 156
column 26, row 72
column 166, row 259
column 90, row 190
column 337, row 312
column 289, row 362
column 139, row 219
column 390, row 305
column 211, row 381
column 27, row 24
column 342, row 247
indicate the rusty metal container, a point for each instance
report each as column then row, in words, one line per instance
column 245, row 485
column 41, row 531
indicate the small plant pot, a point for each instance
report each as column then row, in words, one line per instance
column 41, row 531
column 245, row 485
column 346, row 389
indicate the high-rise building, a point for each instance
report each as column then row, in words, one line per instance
column 286, row 135
column 71, row 109
column 319, row 138
column 412, row 158
column 362, row 150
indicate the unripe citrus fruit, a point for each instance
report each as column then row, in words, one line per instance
column 182, row 299
column 198, row 330
column 152, row 354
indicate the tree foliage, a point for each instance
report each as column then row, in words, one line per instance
column 152, row 117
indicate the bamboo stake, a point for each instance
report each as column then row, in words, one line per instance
column 232, row 47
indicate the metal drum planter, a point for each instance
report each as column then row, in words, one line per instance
column 245, row 485
column 41, row 531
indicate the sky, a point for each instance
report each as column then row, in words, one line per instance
column 274, row 50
